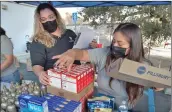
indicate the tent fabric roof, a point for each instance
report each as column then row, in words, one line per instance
column 58, row 4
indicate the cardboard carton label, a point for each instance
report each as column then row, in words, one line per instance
column 52, row 73
column 56, row 82
column 55, row 78
column 142, row 70
column 139, row 73
column 71, row 82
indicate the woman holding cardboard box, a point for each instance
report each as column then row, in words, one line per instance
column 50, row 38
column 127, row 43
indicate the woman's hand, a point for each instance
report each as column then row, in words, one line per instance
column 93, row 44
column 43, row 78
column 66, row 59
column 158, row 89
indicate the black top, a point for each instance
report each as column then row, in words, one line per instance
column 41, row 55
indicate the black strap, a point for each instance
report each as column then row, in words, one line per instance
column 77, row 38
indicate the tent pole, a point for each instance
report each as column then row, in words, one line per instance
column 149, row 42
column 171, row 42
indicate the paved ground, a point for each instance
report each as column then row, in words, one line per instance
column 160, row 57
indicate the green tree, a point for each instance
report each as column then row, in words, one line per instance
column 154, row 20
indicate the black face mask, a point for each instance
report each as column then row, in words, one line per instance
column 118, row 51
column 50, row 26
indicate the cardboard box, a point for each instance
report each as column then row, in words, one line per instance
column 55, row 78
column 83, row 100
column 60, row 104
column 69, row 95
column 139, row 73
column 29, row 103
column 74, row 81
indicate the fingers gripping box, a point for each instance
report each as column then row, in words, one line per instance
column 55, row 78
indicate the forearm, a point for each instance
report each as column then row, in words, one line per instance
column 81, row 55
column 6, row 64
column 37, row 69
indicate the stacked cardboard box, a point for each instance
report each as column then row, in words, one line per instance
column 60, row 104
column 84, row 99
column 75, row 80
column 78, row 84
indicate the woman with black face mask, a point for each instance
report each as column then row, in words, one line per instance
column 127, row 43
column 50, row 38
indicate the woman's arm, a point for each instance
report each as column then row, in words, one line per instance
column 7, row 52
column 71, row 55
column 38, row 57
column 8, row 62
column 37, row 69
column 95, row 56
column 41, row 74
column 81, row 55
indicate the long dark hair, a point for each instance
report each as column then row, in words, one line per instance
column 43, row 6
column 136, row 53
column 2, row 31
column 40, row 34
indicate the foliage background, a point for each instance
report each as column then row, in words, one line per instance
column 153, row 20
